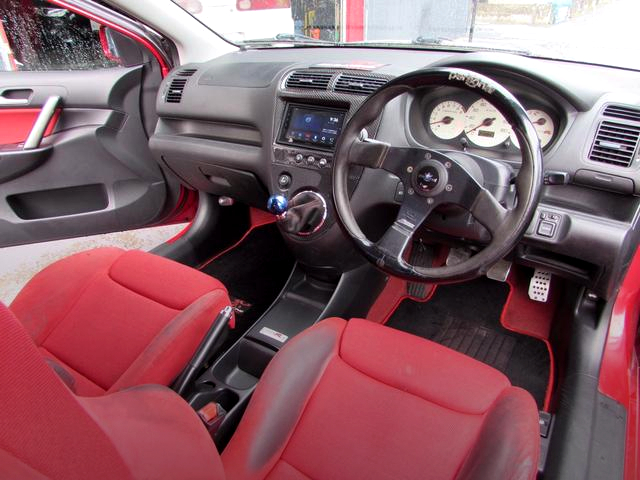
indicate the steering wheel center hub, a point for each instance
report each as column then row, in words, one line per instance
column 429, row 178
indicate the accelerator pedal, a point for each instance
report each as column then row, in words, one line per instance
column 540, row 285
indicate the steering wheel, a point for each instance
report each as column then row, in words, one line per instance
column 432, row 178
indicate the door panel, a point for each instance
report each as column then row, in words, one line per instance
column 93, row 173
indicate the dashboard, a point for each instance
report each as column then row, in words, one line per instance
column 260, row 122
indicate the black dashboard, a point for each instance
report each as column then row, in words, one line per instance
column 258, row 122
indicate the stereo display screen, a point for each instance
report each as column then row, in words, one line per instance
column 311, row 127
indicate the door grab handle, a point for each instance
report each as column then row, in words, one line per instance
column 13, row 102
column 42, row 122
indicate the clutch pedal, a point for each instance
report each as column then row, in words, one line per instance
column 540, row 285
column 421, row 256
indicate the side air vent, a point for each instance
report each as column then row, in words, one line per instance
column 615, row 143
column 622, row 112
column 174, row 92
column 309, row 79
column 358, row 84
column 186, row 72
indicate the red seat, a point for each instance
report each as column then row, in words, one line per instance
column 356, row 400
column 108, row 319
column 341, row 401
column 47, row 432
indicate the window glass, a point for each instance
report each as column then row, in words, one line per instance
column 36, row 35
column 592, row 31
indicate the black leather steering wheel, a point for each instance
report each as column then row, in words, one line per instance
column 433, row 178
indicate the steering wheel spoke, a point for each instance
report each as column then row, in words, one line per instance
column 488, row 211
column 413, row 212
column 375, row 154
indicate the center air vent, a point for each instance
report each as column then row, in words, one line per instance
column 358, row 84
column 174, row 92
column 615, row 143
column 309, row 79
column 186, row 72
column 622, row 112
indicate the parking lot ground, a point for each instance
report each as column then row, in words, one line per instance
column 606, row 35
column 18, row 264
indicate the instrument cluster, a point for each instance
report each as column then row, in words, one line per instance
column 477, row 122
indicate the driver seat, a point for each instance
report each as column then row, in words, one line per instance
column 343, row 400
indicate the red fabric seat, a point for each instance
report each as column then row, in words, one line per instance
column 47, row 432
column 108, row 319
column 357, row 400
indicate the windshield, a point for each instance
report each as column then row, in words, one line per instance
column 591, row 31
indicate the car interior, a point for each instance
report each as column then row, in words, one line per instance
column 396, row 262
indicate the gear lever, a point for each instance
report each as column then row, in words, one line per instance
column 303, row 215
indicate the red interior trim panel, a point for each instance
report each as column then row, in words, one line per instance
column 17, row 123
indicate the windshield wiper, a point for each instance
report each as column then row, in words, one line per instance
column 442, row 43
column 287, row 38
column 420, row 40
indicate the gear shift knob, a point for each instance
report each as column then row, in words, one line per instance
column 277, row 204
column 306, row 213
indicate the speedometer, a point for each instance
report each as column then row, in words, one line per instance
column 543, row 125
column 447, row 120
column 485, row 126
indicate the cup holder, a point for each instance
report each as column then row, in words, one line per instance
column 209, row 393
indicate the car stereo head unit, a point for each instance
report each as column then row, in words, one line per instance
column 312, row 127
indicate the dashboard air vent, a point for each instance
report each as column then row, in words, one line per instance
column 358, row 84
column 309, row 79
column 186, row 72
column 622, row 112
column 174, row 92
column 615, row 143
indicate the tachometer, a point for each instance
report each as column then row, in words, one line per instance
column 543, row 124
column 485, row 126
column 447, row 120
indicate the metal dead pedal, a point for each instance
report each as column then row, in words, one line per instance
column 539, row 285
column 500, row 270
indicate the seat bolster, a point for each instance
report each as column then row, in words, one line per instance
column 163, row 359
column 508, row 444
column 74, row 380
column 47, row 297
column 162, row 280
column 279, row 401
column 157, row 434
column 12, row 468
column 403, row 361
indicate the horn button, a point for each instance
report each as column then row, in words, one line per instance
column 429, row 178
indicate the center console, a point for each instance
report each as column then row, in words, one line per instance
column 230, row 381
column 307, row 127
column 330, row 278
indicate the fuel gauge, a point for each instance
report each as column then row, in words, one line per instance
column 543, row 125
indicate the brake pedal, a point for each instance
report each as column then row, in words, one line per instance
column 500, row 271
column 540, row 285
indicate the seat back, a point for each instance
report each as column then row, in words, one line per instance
column 44, row 430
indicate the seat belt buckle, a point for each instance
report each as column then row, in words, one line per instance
column 212, row 415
